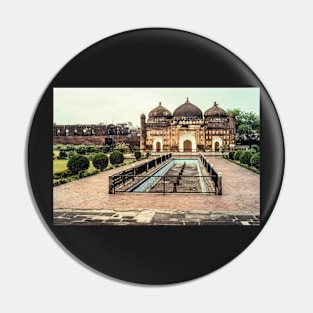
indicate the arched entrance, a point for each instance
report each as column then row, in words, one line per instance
column 187, row 142
column 158, row 146
column 216, row 146
column 217, row 143
column 187, row 146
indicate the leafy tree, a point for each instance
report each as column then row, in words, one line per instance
column 100, row 161
column 122, row 147
column 247, row 126
column 137, row 154
column 116, row 157
column 77, row 163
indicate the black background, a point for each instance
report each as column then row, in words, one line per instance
column 155, row 58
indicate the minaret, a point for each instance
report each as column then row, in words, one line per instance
column 143, row 133
column 232, row 135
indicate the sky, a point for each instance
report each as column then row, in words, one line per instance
column 118, row 105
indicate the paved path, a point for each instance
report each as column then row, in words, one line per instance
column 87, row 199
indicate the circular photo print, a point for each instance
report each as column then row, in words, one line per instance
column 155, row 156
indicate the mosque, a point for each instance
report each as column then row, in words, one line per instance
column 187, row 129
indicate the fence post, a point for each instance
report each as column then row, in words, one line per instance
column 110, row 184
column 219, row 183
column 164, row 185
column 211, row 168
column 147, row 166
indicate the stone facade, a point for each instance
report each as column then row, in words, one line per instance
column 187, row 129
column 95, row 134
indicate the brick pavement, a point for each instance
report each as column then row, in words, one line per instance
column 89, row 196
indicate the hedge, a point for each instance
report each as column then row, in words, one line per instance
column 256, row 160
column 245, row 157
column 237, row 155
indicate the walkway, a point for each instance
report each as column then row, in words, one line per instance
column 86, row 201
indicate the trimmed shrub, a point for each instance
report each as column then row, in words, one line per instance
column 256, row 160
column 147, row 154
column 91, row 149
column 70, row 147
column 231, row 155
column 77, row 163
column 237, row 155
column 71, row 154
column 137, row 155
column 116, row 157
column 255, row 148
column 81, row 150
column 62, row 155
column 100, row 161
column 245, row 157
column 62, row 174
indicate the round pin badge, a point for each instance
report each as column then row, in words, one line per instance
column 155, row 156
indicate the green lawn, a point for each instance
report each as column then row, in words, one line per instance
column 60, row 165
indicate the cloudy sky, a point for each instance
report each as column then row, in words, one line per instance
column 117, row 105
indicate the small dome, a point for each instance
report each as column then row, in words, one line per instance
column 160, row 111
column 215, row 111
column 188, row 110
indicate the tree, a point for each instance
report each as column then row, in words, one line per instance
column 247, row 126
column 100, row 161
column 137, row 154
column 122, row 147
column 77, row 163
column 116, row 157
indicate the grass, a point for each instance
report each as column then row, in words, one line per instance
column 61, row 165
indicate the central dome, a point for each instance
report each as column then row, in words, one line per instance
column 187, row 110
column 160, row 111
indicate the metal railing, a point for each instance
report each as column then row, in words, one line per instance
column 130, row 174
column 217, row 177
column 164, row 184
column 131, row 179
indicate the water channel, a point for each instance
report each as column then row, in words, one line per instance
column 178, row 175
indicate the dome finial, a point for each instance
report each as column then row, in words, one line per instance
column 187, row 99
column 159, row 103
